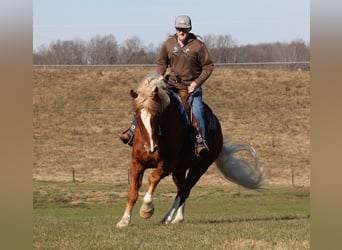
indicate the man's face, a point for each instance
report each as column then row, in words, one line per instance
column 182, row 33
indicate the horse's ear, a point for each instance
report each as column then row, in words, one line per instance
column 154, row 92
column 134, row 94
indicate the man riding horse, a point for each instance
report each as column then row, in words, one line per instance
column 190, row 66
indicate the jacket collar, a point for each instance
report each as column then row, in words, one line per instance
column 189, row 40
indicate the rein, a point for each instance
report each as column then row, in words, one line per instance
column 182, row 90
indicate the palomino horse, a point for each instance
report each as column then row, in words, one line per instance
column 164, row 141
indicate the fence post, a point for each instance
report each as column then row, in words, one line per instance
column 128, row 176
column 292, row 178
column 73, row 175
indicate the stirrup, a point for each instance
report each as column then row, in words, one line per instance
column 128, row 135
column 200, row 146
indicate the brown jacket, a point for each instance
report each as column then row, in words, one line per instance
column 191, row 62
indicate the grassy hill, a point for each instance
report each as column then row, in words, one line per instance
column 79, row 111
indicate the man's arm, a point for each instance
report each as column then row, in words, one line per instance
column 162, row 61
column 207, row 66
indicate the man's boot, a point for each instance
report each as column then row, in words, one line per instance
column 128, row 135
column 200, row 146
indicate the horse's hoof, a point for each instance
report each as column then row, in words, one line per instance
column 175, row 221
column 146, row 214
column 124, row 222
column 121, row 225
column 166, row 220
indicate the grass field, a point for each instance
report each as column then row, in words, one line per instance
column 77, row 114
column 83, row 216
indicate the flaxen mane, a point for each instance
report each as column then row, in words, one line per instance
column 145, row 98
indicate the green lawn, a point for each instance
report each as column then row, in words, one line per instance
column 83, row 216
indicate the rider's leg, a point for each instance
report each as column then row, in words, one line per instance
column 198, row 111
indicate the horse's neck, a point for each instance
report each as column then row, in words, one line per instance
column 172, row 118
column 182, row 106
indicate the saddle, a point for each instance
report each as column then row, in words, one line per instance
column 179, row 94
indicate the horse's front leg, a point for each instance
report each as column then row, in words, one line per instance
column 147, row 207
column 184, row 188
column 177, row 208
column 176, row 213
column 136, row 175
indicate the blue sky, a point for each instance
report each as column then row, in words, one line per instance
column 247, row 21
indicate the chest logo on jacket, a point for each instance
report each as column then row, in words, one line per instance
column 184, row 51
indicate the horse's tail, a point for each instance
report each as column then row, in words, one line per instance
column 239, row 170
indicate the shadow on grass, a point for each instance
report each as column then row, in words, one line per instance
column 237, row 220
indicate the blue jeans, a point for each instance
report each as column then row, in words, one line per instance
column 198, row 109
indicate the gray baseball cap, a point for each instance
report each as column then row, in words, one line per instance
column 182, row 22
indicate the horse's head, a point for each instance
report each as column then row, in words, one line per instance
column 150, row 100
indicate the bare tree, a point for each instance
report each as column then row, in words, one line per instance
column 220, row 47
column 102, row 50
column 61, row 53
column 41, row 56
column 223, row 49
column 132, row 51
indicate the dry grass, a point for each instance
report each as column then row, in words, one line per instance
column 79, row 111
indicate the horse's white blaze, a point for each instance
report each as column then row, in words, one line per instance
column 146, row 119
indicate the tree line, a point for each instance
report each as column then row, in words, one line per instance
column 105, row 50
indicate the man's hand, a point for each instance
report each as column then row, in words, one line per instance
column 192, row 87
